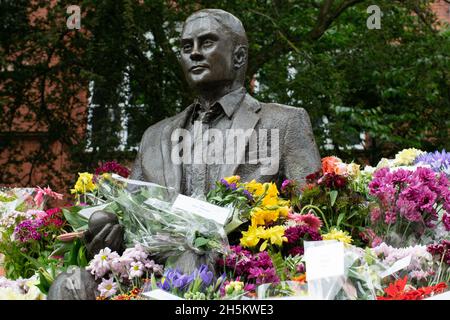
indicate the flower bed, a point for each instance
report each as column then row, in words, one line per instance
column 387, row 228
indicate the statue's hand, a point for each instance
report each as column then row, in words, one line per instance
column 104, row 231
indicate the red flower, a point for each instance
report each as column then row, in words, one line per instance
column 396, row 291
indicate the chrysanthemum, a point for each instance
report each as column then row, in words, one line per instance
column 136, row 270
column 107, row 288
column 406, row 157
column 338, row 235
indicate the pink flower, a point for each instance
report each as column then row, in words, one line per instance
column 40, row 193
column 107, row 288
column 308, row 219
column 375, row 214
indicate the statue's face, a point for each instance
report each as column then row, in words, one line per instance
column 206, row 53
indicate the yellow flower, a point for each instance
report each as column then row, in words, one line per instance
column 250, row 237
column 254, row 234
column 275, row 234
column 232, row 179
column 261, row 216
column 84, row 183
column 406, row 157
column 284, row 210
column 338, row 235
column 255, row 188
column 353, row 170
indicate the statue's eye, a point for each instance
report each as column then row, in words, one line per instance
column 187, row 48
column 208, row 43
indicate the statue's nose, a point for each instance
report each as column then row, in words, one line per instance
column 195, row 54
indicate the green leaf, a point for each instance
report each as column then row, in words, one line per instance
column 200, row 242
column 76, row 221
column 278, row 264
column 340, row 218
column 82, row 260
column 333, row 197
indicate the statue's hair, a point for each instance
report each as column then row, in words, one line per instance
column 232, row 25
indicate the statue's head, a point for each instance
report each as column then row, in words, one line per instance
column 214, row 49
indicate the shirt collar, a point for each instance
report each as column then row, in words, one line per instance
column 229, row 102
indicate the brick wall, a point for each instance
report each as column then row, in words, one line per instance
column 442, row 10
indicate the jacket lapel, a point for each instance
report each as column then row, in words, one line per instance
column 173, row 172
column 244, row 118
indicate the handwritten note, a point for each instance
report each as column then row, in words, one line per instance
column 324, row 261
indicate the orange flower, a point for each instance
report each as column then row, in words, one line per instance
column 333, row 165
column 301, row 278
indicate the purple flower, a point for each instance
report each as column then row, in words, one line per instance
column 296, row 251
column 173, row 278
column 285, row 184
column 409, row 195
column 441, row 250
column 446, row 221
column 375, row 214
column 301, row 232
column 27, row 230
column 206, row 275
column 262, row 275
column 400, row 176
column 438, row 161
column 248, row 195
column 390, row 217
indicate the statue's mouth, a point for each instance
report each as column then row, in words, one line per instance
column 198, row 68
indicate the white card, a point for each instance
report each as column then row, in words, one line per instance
column 202, row 208
column 87, row 212
column 159, row 294
column 397, row 266
column 441, row 296
column 324, row 261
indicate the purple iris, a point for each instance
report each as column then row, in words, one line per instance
column 248, row 195
column 175, row 279
column 206, row 275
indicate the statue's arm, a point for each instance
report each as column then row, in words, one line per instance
column 300, row 156
column 136, row 171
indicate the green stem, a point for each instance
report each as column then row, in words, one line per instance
column 310, row 206
column 406, row 229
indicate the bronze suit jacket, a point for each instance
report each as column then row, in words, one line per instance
column 298, row 152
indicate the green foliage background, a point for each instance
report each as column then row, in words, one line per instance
column 393, row 84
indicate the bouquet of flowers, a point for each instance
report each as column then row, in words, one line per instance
column 122, row 275
column 27, row 232
column 335, row 194
column 171, row 235
column 409, row 204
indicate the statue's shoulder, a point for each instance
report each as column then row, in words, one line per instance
column 157, row 128
column 280, row 111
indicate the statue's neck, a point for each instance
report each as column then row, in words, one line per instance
column 208, row 96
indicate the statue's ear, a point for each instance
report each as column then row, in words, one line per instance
column 240, row 56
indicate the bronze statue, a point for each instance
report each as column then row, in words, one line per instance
column 214, row 56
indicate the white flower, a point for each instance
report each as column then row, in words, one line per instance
column 136, row 270
column 107, row 288
column 101, row 263
column 137, row 253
